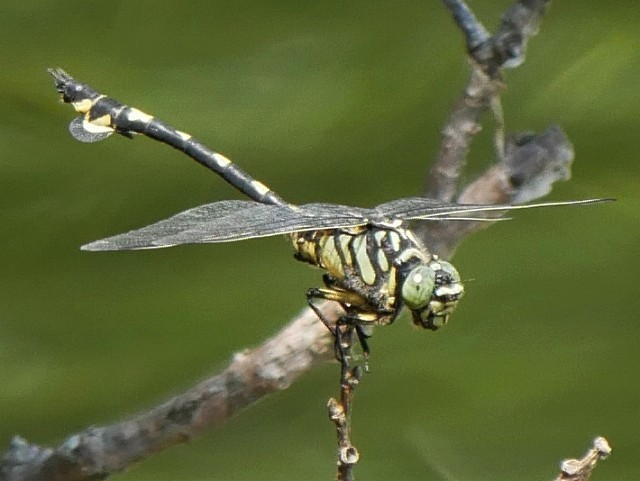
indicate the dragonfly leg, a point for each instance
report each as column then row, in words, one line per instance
column 342, row 343
column 345, row 298
column 337, row 330
column 362, row 338
column 343, row 328
column 316, row 293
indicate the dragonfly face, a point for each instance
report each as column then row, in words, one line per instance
column 431, row 292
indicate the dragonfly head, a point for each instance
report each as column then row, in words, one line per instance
column 431, row 291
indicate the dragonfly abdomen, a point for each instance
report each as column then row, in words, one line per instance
column 100, row 116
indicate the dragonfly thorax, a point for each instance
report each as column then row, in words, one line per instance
column 373, row 271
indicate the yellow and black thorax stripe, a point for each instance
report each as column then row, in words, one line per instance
column 366, row 260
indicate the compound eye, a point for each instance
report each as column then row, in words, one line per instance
column 418, row 287
column 449, row 269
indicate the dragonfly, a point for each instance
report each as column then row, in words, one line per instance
column 374, row 265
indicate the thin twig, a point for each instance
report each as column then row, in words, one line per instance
column 474, row 32
column 581, row 469
column 340, row 411
column 488, row 55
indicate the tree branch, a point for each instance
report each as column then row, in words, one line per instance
column 528, row 164
column 531, row 165
column 99, row 451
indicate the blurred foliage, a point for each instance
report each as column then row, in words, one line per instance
column 324, row 101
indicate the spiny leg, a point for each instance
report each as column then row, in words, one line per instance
column 344, row 327
column 100, row 116
column 362, row 338
column 335, row 329
column 316, row 293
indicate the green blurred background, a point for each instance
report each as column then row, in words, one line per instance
column 325, row 101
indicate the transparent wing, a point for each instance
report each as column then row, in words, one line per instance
column 423, row 208
column 84, row 131
column 233, row 220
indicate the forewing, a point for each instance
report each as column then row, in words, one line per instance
column 423, row 208
column 232, row 220
column 407, row 208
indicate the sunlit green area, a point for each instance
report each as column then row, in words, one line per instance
column 324, row 101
